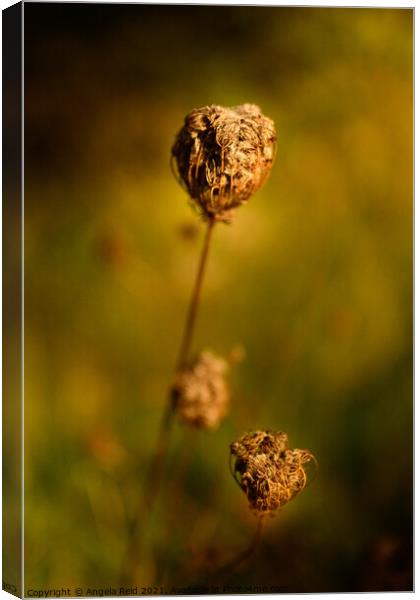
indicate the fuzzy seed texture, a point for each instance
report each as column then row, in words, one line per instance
column 268, row 471
column 223, row 155
column 201, row 393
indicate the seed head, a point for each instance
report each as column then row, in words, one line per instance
column 269, row 472
column 223, row 155
column 200, row 391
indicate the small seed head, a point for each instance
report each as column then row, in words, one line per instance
column 200, row 391
column 223, row 155
column 269, row 472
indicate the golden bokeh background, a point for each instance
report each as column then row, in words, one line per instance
column 313, row 279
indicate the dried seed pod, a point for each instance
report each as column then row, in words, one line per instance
column 200, row 391
column 223, row 155
column 266, row 469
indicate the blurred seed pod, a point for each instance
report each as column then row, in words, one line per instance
column 200, row 391
column 223, row 155
column 266, row 469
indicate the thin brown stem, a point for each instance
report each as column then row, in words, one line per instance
column 156, row 468
column 195, row 299
column 158, row 461
column 180, row 504
column 234, row 563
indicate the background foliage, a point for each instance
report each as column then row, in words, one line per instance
column 313, row 279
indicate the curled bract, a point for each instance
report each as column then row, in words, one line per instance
column 223, row 155
column 267, row 470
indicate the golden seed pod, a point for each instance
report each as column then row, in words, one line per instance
column 223, row 155
column 200, row 391
column 266, row 469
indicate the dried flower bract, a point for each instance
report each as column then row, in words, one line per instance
column 269, row 472
column 223, row 155
column 200, row 391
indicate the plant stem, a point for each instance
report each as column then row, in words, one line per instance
column 157, row 464
column 195, row 298
column 156, row 468
column 230, row 566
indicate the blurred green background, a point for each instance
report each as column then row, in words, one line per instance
column 313, row 279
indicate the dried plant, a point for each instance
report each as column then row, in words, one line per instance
column 223, row 155
column 200, row 391
column 270, row 474
column 267, row 470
